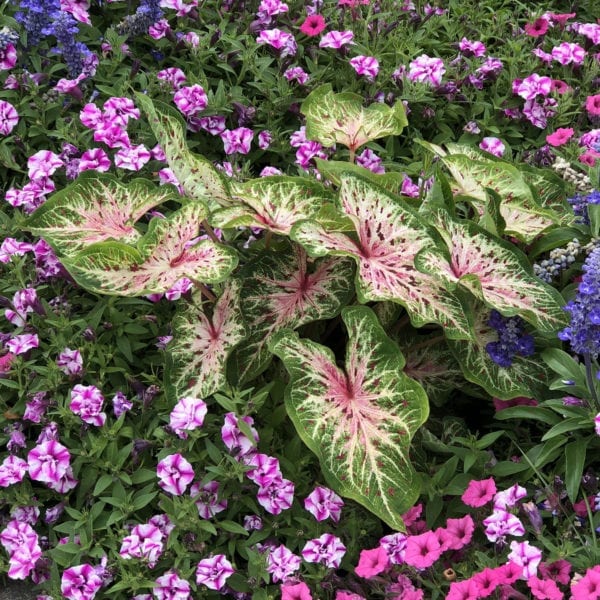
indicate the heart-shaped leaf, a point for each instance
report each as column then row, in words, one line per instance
column 284, row 288
column 358, row 421
column 201, row 344
column 341, row 118
column 389, row 236
column 95, row 208
column 163, row 256
column 197, row 175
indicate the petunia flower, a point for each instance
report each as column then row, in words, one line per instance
column 313, row 25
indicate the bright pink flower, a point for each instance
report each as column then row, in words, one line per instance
column 526, row 556
column 186, row 415
column 298, row 591
column 369, row 160
column 592, row 105
column 313, row 25
column 323, row 503
column 282, row 563
column 207, row 499
column 336, row 39
column 327, row 550
column 569, row 53
column 537, row 28
column 344, row 595
column 426, row 69
column 276, row 496
column 9, row 117
column 237, row 140
column 422, row 550
column 589, row 157
column 544, row 589
column 588, row 587
column 213, row 572
column 560, row 137
column 94, row 159
column 479, row 493
column 86, row 402
column 70, row 362
column 12, row 470
column 120, row 110
column 493, row 145
column 372, row 562
column 8, row 57
column 366, row 66
column 48, row 462
column 191, row 100
column 81, row 582
column 171, row 587
column 175, row 474
column 459, row 532
column 144, row 542
column 508, row 573
column 280, row 40
column 487, row 581
column 560, row 18
column 558, row 571
column 463, row 590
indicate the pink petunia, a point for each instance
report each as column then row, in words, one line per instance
column 213, row 572
column 463, row 590
column 479, row 493
column 459, row 532
column 588, row 587
column 544, row 589
column 298, row 591
column 560, row 137
column 186, row 415
column 8, row 57
column 592, row 105
column 175, row 473
column 426, row 69
column 372, row 562
column 12, row 470
column 537, row 28
column 86, row 402
column 559, row 571
column 422, row 550
column 487, row 581
column 9, row 117
column 313, row 25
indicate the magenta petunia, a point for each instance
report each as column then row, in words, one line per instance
column 9, row 117
column 144, row 542
column 171, row 587
column 327, row 550
column 12, row 470
column 213, row 572
column 190, row 100
column 560, row 137
column 365, row 66
column 313, row 25
column 323, row 503
column 282, row 563
column 48, row 462
column 8, row 57
column 186, row 415
column 81, row 582
column 207, row 499
column 86, row 402
column 175, row 473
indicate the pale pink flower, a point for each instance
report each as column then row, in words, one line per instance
column 187, row 414
column 183, row 7
column 159, row 30
column 94, row 159
column 280, row 40
column 119, row 110
column 175, row 473
column 43, row 164
column 589, row 30
column 428, row 70
column 276, row 496
column 16, row 534
column 297, row 74
column 9, row 117
column 327, row 550
column 509, row 497
column 8, row 57
column 568, row 53
column 174, row 76
column 12, row 470
column 121, row 404
column 12, row 247
column 70, row 362
column 207, row 499
column 323, row 503
column 48, row 462
column 132, row 158
column 113, row 135
column 191, row 99
column 270, row 8
column 23, row 559
column 336, row 39
column 395, row 546
column 502, row 523
column 282, row 563
column 367, row 66
column 526, row 556
column 471, row 48
column 78, row 8
column 81, row 582
column 253, row 523
column 234, row 439
column 213, row 572
column 191, row 39
column 493, row 145
column 265, row 469
column 86, row 402
column 532, row 86
column 20, row 344
column 181, row 286
column 237, row 140
column 597, row 424
column 264, row 139
column 171, row 587
column 369, row 160
column 144, row 542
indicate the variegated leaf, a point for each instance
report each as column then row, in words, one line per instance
column 162, row 258
column 341, row 118
column 273, row 203
column 430, row 362
column 527, row 376
column 95, row 208
column 389, row 236
column 196, row 174
column 494, row 271
column 284, row 288
column 358, row 421
column 201, row 344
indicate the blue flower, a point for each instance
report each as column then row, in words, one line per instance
column 511, row 339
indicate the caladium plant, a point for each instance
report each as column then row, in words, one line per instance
column 95, row 208
column 202, row 343
column 359, row 421
column 342, row 119
column 166, row 253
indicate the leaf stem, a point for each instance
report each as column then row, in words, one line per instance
column 210, row 232
column 590, row 378
column 425, row 343
column 206, row 292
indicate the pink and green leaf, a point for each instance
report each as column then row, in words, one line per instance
column 161, row 258
column 388, row 237
column 492, row 270
column 342, row 119
column 284, row 288
column 273, row 203
column 196, row 174
column 358, row 421
column 202, row 343
column 527, row 376
column 95, row 208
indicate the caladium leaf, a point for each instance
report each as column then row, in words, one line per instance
column 358, row 421
column 284, row 288
column 527, row 376
column 341, row 118
column 95, row 208
column 196, row 174
column 273, row 203
column 161, row 258
column 494, row 271
column 201, row 344
column 389, row 236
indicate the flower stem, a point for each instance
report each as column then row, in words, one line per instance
column 590, row 379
